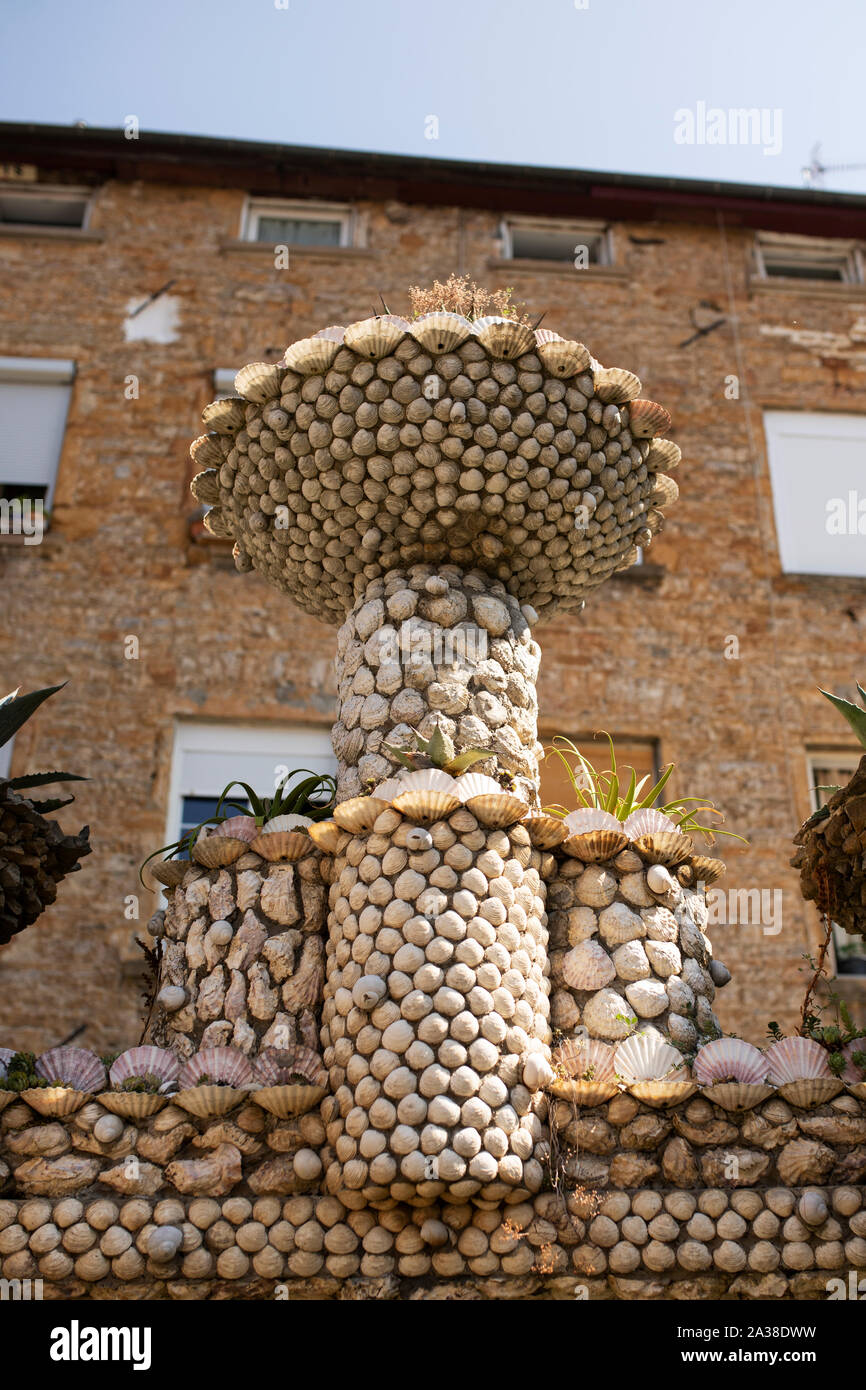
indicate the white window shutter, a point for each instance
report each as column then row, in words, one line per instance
column 818, row 474
column 34, row 402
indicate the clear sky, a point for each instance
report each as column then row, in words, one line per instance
column 591, row 84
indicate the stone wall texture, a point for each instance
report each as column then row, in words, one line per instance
column 646, row 659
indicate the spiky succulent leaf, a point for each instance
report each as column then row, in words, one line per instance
column 854, row 715
column 467, row 758
column 44, row 779
column 439, row 748
column 16, row 709
column 51, row 804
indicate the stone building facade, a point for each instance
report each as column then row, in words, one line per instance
column 708, row 654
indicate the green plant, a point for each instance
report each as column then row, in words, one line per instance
column 437, row 751
column 856, row 717
column 21, row 1074
column 605, row 791
column 15, row 710
column 141, row 1085
column 306, row 799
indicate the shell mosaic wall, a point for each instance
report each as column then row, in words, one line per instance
column 444, row 1044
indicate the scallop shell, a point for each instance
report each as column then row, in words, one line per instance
column 563, row 358
column 286, row 1101
column 504, row 338
column 590, row 818
column 736, row 1095
column 225, row 1064
column 701, row 869
column 647, row 1056
column 614, row 385
column 588, row 966
column 290, row 822
column 594, row 846
column 274, row 1066
column 72, row 1066
column 325, row 835
column 311, row 356
column 476, row 784
column 666, row 847
column 647, row 418
column 208, row 1102
column 132, row 1105
column 289, row 845
column 169, row 872
column 225, row 416
column 665, row 490
column 647, row 822
column 205, row 452
column 429, row 779
column 391, row 787
column 55, row 1101
column 588, row 1093
column 856, row 1088
column 811, row 1090
column 334, row 333
column 205, row 487
column 261, row 381
column 6, row 1098
column 427, row 806
column 376, row 338
column 144, row 1061
column 793, row 1059
column 545, row 832
column 663, row 454
column 215, row 851
column 359, row 813
column 663, row 1093
column 578, row 1056
column 497, row 809
column 238, row 828
column 853, row 1073
column 6, row 1055
column 730, row 1059
column 218, row 524
column 440, row 332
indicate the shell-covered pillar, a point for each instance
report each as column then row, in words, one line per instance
column 434, row 488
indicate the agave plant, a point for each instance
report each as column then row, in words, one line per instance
column 34, row 852
column 437, row 751
column 607, row 791
column 831, row 844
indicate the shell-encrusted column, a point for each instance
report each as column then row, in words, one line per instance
column 243, row 957
column 629, row 949
column 430, row 646
column 436, row 989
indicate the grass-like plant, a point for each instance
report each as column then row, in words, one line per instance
column 608, row 791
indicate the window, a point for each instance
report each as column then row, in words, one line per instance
column 574, row 244
column 298, row 224
column 807, row 258
column 207, row 757
column 34, row 400
column 41, row 206
column 224, row 380
column 640, row 754
column 818, row 474
column 826, row 772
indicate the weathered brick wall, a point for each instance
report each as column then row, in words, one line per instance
column 645, row 660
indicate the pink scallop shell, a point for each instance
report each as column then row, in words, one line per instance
column 647, row 822
column 274, row 1066
column 795, row 1059
column 724, row 1059
column 226, row 1064
column 145, row 1061
column 238, row 828
column 72, row 1066
column 588, row 966
column 578, row 1055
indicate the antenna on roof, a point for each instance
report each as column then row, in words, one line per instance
column 813, row 172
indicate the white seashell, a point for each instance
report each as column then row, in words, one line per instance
column 664, row 1093
column 260, row 382
column 225, row 416
column 164, row 1242
column 368, row 991
column 647, row 1056
column 615, row 384
column 476, row 784
column 171, row 998
column 221, row 1064
column 665, row 491
column 334, row 333
column 737, row 1095
column 497, row 809
column 387, row 790
column 377, row 337
column 429, row 779
column 793, row 1059
column 205, row 487
column 589, row 818
column 359, row 813
column 503, row 338
column 647, row 418
column 537, row 1072
column 545, row 832
column 440, row 332
column 418, row 840
column 275, row 1066
column 663, row 454
column 647, row 822
column 659, row 880
column 588, row 966
column 218, row 524
column 563, row 358
column 285, row 823
column 311, row 356
column 730, row 1059
column 206, row 453
column 220, row 933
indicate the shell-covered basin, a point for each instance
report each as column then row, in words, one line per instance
column 387, row 443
